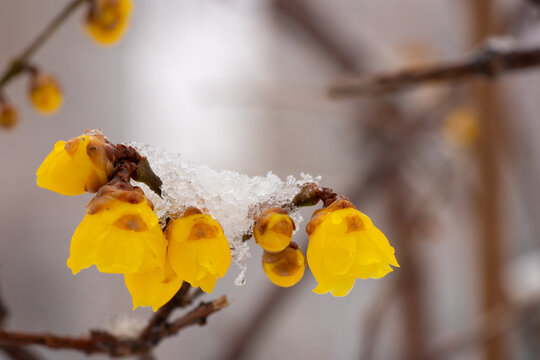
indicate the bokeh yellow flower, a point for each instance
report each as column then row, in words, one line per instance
column 273, row 229
column 8, row 115
column 345, row 245
column 79, row 165
column 45, row 94
column 153, row 288
column 108, row 20
column 119, row 234
column 198, row 250
column 284, row 268
column 461, row 126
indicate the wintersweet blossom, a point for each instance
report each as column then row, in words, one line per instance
column 45, row 94
column 273, row 229
column 345, row 245
column 108, row 20
column 198, row 251
column 286, row 267
column 79, row 165
column 119, row 234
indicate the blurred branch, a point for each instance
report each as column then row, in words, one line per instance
column 19, row 353
column 375, row 315
column 3, row 310
column 303, row 15
column 12, row 351
column 498, row 320
column 493, row 59
column 491, row 144
column 104, row 342
column 158, row 324
column 18, row 65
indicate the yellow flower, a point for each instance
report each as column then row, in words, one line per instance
column 273, row 229
column 108, row 20
column 152, row 288
column 198, row 250
column 45, row 94
column 345, row 245
column 76, row 166
column 8, row 115
column 285, row 268
column 119, row 234
column 461, row 127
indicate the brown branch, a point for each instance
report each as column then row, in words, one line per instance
column 489, row 62
column 18, row 65
column 103, row 342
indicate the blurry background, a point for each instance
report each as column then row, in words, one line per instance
column 242, row 85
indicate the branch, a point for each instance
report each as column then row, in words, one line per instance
column 157, row 325
column 104, row 342
column 493, row 59
column 500, row 319
column 18, row 65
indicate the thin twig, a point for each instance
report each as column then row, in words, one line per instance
column 490, row 61
column 20, row 63
column 104, row 342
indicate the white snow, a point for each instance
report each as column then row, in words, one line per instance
column 231, row 198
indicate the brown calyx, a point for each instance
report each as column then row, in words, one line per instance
column 116, row 191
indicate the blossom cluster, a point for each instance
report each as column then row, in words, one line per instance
column 122, row 234
column 106, row 21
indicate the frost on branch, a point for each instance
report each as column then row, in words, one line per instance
column 233, row 199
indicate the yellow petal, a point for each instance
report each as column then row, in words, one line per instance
column 207, row 283
column 151, row 289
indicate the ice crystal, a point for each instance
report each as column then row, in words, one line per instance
column 231, row 198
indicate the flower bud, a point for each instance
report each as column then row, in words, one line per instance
column 284, row 268
column 79, row 165
column 8, row 115
column 45, row 94
column 345, row 245
column 108, row 20
column 198, row 250
column 273, row 229
column 119, row 234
